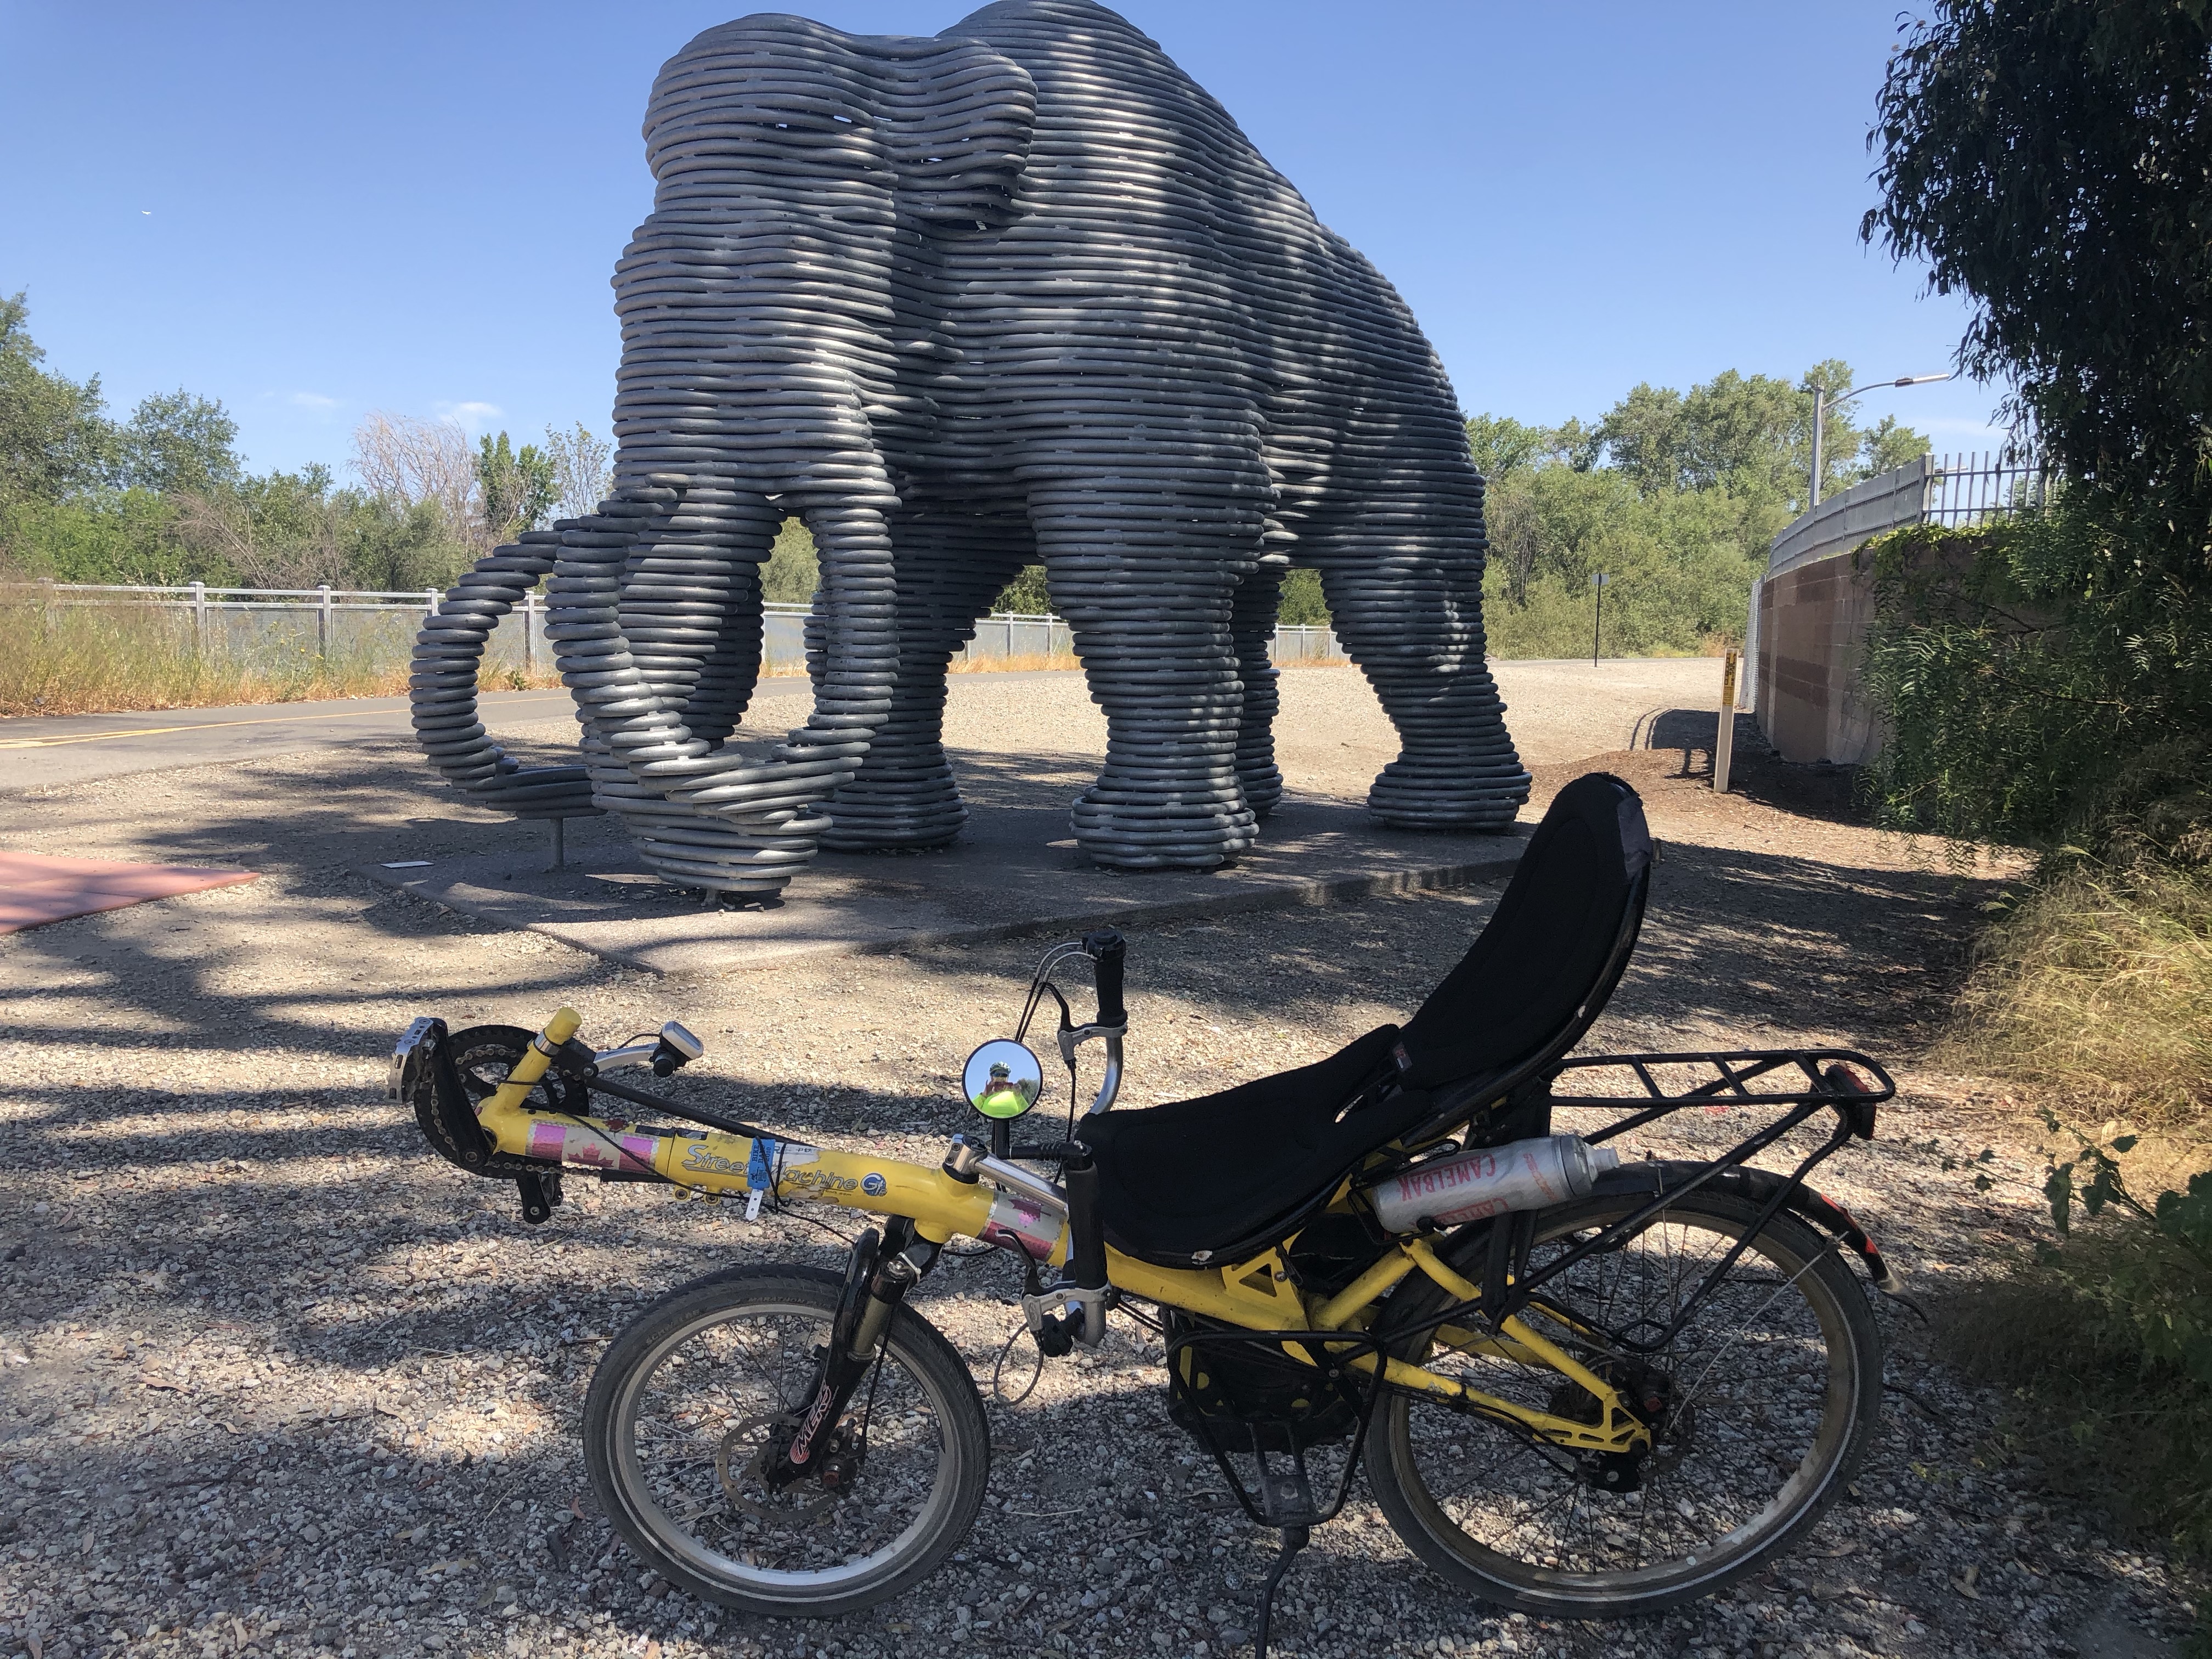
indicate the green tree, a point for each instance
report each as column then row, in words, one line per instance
column 1500, row 444
column 1886, row 446
column 175, row 442
column 792, row 571
column 1647, row 436
column 1026, row 595
column 1303, row 603
column 2052, row 160
column 55, row 437
column 1747, row 433
column 517, row 488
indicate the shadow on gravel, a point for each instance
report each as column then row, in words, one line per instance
column 1819, row 791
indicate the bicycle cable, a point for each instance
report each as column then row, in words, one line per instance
column 998, row 1390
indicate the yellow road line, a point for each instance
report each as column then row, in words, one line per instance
column 204, row 726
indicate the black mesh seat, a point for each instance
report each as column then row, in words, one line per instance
column 1224, row 1176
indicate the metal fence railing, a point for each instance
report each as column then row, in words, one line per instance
column 333, row 621
column 1305, row 642
column 1972, row 490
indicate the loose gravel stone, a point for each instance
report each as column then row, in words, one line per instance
column 274, row 1380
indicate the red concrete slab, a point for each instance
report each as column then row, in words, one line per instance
column 36, row 889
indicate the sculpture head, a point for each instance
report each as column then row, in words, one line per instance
column 797, row 169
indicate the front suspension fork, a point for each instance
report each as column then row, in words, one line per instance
column 883, row 1268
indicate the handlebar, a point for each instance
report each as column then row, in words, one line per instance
column 1108, row 951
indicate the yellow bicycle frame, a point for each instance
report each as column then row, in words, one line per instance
column 1255, row 1295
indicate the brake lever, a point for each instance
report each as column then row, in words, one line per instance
column 1072, row 1037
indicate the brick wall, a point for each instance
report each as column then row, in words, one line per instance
column 1811, row 636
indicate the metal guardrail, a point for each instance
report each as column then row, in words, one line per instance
column 1958, row 491
column 373, row 618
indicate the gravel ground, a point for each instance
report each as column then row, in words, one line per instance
column 278, row 1381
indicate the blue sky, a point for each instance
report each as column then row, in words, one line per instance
column 311, row 211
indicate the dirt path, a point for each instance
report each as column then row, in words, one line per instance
column 277, row 1381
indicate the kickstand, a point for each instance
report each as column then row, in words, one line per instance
column 1294, row 1539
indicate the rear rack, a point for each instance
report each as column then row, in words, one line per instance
column 1832, row 1079
column 1827, row 1080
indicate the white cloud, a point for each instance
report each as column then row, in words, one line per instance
column 470, row 417
column 313, row 400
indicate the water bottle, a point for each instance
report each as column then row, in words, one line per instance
column 1522, row 1175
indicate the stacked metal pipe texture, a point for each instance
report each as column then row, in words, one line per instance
column 1019, row 293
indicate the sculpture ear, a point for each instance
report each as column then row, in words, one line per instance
column 955, row 123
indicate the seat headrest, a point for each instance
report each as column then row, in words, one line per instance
column 1541, row 968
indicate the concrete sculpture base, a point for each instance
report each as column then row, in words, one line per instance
column 1007, row 875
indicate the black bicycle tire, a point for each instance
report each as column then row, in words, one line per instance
column 917, row 1344
column 1408, row 1506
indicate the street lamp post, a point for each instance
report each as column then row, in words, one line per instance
column 1822, row 403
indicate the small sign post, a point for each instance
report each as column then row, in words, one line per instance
column 1598, row 580
column 1724, row 737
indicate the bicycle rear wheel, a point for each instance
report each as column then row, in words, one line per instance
column 1762, row 1407
column 688, row 1398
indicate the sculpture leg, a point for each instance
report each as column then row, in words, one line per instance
column 1149, row 588
column 1252, row 623
column 1411, row 619
column 949, row 568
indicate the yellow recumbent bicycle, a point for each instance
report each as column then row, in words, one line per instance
column 1581, row 1388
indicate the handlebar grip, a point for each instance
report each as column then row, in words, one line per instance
column 1108, row 951
column 1086, row 1231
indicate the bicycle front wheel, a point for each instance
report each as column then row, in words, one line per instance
column 687, row 1399
column 1760, row 1408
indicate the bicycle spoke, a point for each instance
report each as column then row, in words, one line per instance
column 753, row 1369
column 1743, row 1392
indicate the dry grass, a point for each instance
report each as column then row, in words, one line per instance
column 1027, row 662
column 2093, row 994
column 2097, row 988
column 92, row 661
column 87, row 661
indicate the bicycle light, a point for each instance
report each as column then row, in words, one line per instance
column 677, row 1048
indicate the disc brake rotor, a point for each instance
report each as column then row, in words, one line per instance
column 752, row 1438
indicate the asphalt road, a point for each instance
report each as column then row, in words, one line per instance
column 37, row 752
column 1557, row 710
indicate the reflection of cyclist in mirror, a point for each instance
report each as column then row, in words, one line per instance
column 1001, row 1096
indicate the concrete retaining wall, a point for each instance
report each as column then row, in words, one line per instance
column 1813, row 621
column 1811, row 611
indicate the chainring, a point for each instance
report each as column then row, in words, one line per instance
column 483, row 1056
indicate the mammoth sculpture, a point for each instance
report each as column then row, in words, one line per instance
column 1018, row 292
